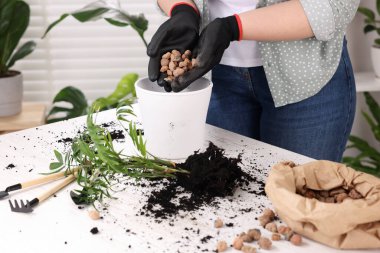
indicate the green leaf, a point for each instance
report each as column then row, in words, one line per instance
column 6, row 11
column 369, row 28
column 58, row 156
column 378, row 6
column 357, row 164
column 369, row 21
column 52, row 25
column 70, row 95
column 116, row 23
column 111, row 13
column 55, row 166
column 365, row 148
column 124, row 88
column 16, row 20
column 84, row 15
column 373, row 106
column 367, row 12
column 375, row 128
column 89, row 13
column 138, row 22
column 369, row 120
column 85, row 149
column 377, row 42
column 23, row 51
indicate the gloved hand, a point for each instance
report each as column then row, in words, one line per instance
column 213, row 41
column 180, row 32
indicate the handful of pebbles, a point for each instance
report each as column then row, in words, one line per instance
column 175, row 64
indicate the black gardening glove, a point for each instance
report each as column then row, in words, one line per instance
column 180, row 32
column 213, row 41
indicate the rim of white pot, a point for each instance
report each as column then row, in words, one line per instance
column 172, row 94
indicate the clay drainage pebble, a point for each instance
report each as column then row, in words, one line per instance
column 218, row 223
column 221, row 246
column 94, row 214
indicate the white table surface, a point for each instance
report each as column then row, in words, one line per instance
column 57, row 225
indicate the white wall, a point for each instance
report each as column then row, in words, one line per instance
column 359, row 47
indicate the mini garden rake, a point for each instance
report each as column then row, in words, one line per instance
column 27, row 207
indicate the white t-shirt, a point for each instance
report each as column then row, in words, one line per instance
column 243, row 53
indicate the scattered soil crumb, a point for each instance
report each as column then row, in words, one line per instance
column 94, row 230
column 10, row 166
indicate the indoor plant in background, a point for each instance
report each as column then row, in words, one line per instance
column 14, row 19
column 372, row 24
column 112, row 13
column 368, row 159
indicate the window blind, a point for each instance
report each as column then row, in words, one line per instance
column 91, row 56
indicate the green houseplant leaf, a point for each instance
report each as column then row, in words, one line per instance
column 14, row 19
column 70, row 95
column 365, row 148
column 371, row 23
column 367, row 12
column 369, row 28
column 23, row 51
column 125, row 87
column 112, row 13
column 368, row 159
column 373, row 106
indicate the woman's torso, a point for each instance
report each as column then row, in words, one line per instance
column 297, row 70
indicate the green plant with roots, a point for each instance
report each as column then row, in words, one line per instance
column 368, row 159
column 372, row 24
column 14, row 19
column 98, row 163
column 111, row 12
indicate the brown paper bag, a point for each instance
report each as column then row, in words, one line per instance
column 352, row 224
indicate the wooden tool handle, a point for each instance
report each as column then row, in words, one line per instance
column 68, row 180
column 45, row 179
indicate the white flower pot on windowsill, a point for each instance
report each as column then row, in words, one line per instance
column 375, row 55
column 11, row 91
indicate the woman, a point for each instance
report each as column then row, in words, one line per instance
column 280, row 69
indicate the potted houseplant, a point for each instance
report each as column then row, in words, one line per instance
column 14, row 19
column 372, row 24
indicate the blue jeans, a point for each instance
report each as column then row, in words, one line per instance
column 317, row 127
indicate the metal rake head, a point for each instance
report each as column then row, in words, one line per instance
column 21, row 208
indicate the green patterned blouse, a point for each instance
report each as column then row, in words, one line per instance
column 297, row 70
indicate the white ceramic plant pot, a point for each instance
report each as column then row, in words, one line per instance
column 11, row 94
column 174, row 123
column 375, row 55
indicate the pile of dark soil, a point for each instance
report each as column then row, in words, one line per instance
column 212, row 175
